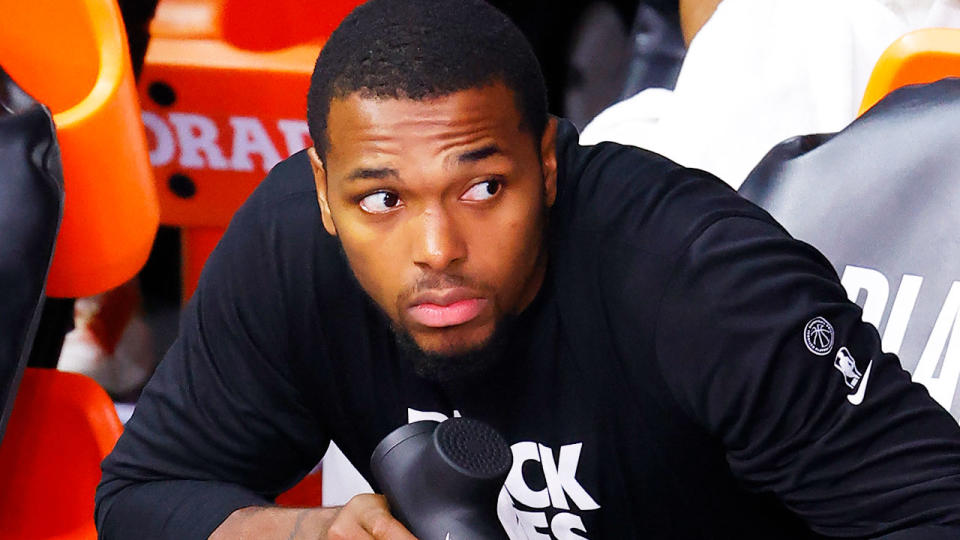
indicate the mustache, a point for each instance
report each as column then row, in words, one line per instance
column 432, row 281
column 440, row 280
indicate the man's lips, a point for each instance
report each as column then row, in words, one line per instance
column 449, row 307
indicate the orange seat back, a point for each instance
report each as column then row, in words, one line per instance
column 921, row 56
column 223, row 90
column 71, row 55
column 256, row 25
column 62, row 426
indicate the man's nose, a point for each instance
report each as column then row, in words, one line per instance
column 438, row 241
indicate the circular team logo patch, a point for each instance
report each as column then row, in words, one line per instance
column 818, row 336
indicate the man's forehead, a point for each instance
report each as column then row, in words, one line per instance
column 360, row 116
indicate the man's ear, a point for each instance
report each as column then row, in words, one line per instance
column 548, row 160
column 320, row 179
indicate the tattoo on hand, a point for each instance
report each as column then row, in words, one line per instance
column 296, row 525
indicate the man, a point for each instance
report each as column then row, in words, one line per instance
column 658, row 352
column 760, row 71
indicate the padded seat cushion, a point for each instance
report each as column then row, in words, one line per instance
column 31, row 205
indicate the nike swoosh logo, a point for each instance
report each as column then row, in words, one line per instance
column 857, row 398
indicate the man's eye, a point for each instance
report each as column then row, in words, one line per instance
column 380, row 202
column 483, row 191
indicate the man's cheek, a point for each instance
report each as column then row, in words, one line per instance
column 374, row 273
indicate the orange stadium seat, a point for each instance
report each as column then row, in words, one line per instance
column 223, row 89
column 71, row 55
column 921, row 56
column 62, row 426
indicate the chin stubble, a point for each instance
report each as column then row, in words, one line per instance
column 446, row 367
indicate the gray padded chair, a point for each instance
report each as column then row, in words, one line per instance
column 31, row 206
column 881, row 199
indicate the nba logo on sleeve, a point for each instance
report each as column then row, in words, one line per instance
column 818, row 336
column 845, row 363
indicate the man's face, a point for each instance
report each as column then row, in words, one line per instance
column 440, row 206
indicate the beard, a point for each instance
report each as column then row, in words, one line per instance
column 436, row 366
column 448, row 367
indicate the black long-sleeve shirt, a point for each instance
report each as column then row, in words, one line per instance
column 687, row 370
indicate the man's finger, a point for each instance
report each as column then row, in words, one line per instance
column 379, row 522
column 344, row 529
column 383, row 526
column 372, row 514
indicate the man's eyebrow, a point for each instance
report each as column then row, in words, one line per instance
column 479, row 154
column 363, row 173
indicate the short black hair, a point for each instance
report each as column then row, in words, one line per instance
column 418, row 49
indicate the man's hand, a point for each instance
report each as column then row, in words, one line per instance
column 364, row 517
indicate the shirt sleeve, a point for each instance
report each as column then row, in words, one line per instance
column 223, row 423
column 759, row 344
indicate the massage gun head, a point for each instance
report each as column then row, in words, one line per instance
column 442, row 480
column 473, row 448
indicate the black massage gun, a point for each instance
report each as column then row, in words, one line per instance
column 442, row 480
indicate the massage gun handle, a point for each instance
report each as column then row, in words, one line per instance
column 443, row 482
